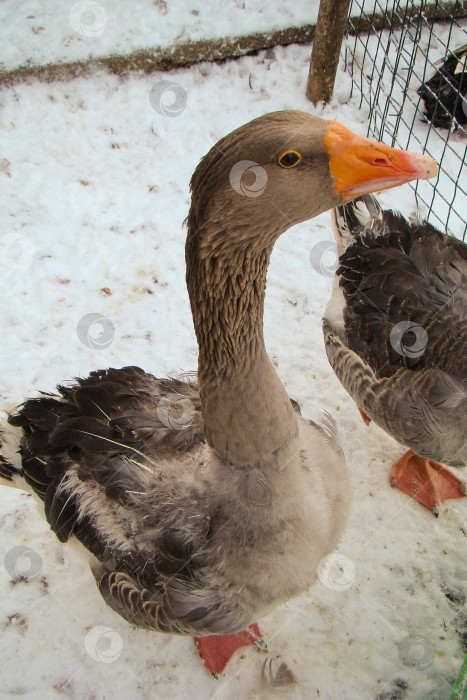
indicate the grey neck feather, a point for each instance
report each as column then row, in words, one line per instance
column 246, row 411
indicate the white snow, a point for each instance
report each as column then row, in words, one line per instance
column 94, row 190
column 65, row 30
column 59, row 31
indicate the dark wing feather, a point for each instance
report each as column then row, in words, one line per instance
column 98, row 418
column 7, row 470
column 415, row 274
column 89, row 453
column 178, row 607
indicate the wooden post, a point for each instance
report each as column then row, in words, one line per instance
column 330, row 28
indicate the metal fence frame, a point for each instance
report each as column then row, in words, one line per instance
column 388, row 89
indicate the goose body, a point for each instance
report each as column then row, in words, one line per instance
column 186, row 544
column 396, row 330
column 203, row 505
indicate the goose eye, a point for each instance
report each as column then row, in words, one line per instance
column 289, row 159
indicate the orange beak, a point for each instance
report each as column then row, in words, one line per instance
column 360, row 166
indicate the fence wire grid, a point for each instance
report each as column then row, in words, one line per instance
column 392, row 50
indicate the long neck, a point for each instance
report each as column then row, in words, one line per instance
column 246, row 411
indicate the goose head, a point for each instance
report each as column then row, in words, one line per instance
column 284, row 168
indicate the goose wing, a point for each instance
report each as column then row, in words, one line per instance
column 116, row 460
column 424, row 410
column 409, row 279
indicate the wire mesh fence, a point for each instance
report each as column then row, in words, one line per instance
column 408, row 66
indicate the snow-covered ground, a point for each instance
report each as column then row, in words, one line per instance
column 59, row 31
column 65, row 30
column 94, row 190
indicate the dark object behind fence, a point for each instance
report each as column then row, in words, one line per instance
column 410, row 73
